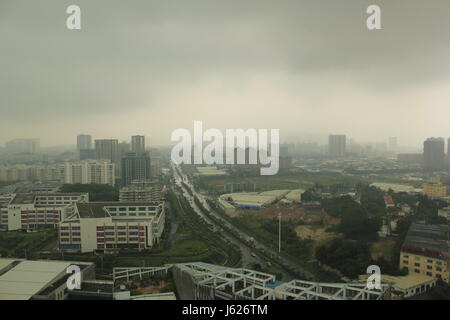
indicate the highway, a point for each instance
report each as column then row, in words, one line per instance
column 248, row 252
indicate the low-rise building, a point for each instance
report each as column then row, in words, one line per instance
column 139, row 191
column 388, row 201
column 426, row 251
column 434, row 190
column 24, row 211
column 38, row 280
column 406, row 286
column 110, row 226
column 444, row 212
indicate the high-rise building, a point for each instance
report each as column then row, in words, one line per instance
column 87, row 172
column 393, row 144
column 86, row 154
column 434, row 154
column 448, row 151
column 134, row 167
column 107, row 149
column 138, row 145
column 124, row 148
column 22, row 146
column 336, row 145
column 84, row 142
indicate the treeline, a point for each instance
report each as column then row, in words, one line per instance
column 356, row 221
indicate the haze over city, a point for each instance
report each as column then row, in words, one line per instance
column 307, row 68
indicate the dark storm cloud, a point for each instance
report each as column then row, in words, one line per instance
column 129, row 53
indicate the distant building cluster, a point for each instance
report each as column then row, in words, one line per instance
column 18, row 146
column 84, row 172
column 131, row 161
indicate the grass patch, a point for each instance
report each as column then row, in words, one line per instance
column 18, row 244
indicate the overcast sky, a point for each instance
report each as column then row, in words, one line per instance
column 148, row 67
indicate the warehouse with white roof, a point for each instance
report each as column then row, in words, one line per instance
column 37, row 280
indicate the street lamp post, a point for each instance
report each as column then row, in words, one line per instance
column 279, row 233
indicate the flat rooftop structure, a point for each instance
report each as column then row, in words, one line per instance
column 61, row 194
column 130, row 203
column 428, row 240
column 30, row 187
column 403, row 283
column 92, row 210
column 28, row 278
column 254, row 198
column 97, row 209
column 24, row 198
column 8, row 189
column 5, row 264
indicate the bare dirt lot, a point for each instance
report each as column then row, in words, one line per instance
column 383, row 248
column 317, row 234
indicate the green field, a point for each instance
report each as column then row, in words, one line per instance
column 27, row 244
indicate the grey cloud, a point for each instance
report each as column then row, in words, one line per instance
column 129, row 52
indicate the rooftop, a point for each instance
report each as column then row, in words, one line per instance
column 97, row 209
column 404, row 283
column 28, row 278
column 92, row 210
column 24, row 198
column 427, row 240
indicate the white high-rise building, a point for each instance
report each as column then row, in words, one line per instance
column 89, row 171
